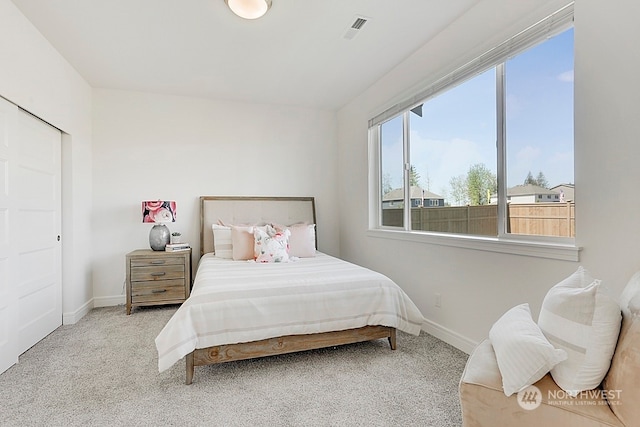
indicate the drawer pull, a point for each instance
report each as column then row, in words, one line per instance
column 157, row 262
column 158, row 291
column 158, row 274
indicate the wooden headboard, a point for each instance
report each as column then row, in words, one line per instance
column 251, row 210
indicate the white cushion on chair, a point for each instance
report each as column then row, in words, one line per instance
column 523, row 353
column 579, row 317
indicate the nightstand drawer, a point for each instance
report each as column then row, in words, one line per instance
column 165, row 272
column 142, row 292
column 155, row 262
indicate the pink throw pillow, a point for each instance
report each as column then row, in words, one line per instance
column 242, row 242
column 302, row 242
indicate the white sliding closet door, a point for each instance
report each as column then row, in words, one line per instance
column 8, row 292
column 37, row 229
column 30, row 226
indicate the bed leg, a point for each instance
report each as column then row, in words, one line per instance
column 190, row 368
column 392, row 338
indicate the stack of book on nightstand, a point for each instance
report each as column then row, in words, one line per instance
column 177, row 247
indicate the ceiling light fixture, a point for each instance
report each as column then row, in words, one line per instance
column 249, row 9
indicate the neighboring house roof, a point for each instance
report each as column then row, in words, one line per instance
column 416, row 193
column 528, row 190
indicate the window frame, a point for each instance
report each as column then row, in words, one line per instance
column 538, row 246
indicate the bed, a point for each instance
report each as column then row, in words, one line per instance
column 242, row 309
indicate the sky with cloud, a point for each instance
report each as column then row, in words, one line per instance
column 458, row 127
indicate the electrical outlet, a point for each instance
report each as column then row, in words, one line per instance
column 438, row 300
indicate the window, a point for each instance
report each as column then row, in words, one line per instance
column 391, row 172
column 490, row 146
column 442, row 150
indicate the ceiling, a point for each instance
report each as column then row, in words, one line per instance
column 295, row 55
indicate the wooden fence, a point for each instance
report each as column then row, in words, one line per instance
column 542, row 219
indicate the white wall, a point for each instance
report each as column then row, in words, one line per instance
column 150, row 146
column 476, row 286
column 36, row 77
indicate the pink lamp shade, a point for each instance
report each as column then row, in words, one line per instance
column 159, row 212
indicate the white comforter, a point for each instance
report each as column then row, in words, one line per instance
column 242, row 301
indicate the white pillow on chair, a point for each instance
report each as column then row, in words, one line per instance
column 578, row 316
column 523, row 353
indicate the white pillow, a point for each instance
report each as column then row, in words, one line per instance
column 523, row 353
column 302, row 242
column 578, row 316
column 271, row 245
column 222, row 246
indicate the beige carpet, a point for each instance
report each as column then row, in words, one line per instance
column 103, row 371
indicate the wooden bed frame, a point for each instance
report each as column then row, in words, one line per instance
column 283, row 210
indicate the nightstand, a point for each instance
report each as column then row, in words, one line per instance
column 157, row 278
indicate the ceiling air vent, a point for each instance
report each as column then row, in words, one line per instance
column 358, row 23
column 355, row 27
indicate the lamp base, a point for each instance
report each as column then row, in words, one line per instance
column 159, row 237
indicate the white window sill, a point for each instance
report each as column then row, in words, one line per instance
column 559, row 251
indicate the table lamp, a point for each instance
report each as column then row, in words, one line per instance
column 159, row 212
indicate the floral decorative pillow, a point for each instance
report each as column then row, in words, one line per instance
column 271, row 245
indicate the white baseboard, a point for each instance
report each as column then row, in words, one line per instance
column 74, row 316
column 460, row 342
column 109, row 301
